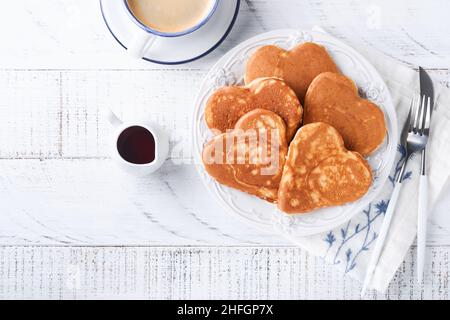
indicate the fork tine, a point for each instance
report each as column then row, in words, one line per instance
column 428, row 116
column 412, row 112
column 416, row 115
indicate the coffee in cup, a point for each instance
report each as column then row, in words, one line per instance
column 165, row 18
column 170, row 16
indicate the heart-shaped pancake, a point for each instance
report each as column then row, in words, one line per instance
column 228, row 104
column 319, row 172
column 334, row 99
column 251, row 157
column 297, row 67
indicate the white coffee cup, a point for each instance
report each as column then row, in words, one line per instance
column 161, row 145
column 144, row 36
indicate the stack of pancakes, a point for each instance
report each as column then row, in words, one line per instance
column 262, row 148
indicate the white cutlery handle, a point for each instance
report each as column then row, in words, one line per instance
column 422, row 226
column 381, row 236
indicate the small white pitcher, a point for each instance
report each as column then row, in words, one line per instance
column 161, row 145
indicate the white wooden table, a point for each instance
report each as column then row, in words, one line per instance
column 73, row 226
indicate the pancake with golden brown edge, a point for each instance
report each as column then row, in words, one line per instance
column 228, row 104
column 319, row 172
column 254, row 159
column 334, row 99
column 297, row 67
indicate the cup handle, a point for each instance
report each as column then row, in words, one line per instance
column 139, row 43
column 112, row 118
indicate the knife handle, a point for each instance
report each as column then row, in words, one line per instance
column 422, row 226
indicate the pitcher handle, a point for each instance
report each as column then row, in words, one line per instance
column 112, row 118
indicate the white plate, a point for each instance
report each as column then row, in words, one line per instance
column 176, row 50
column 230, row 70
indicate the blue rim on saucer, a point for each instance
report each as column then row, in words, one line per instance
column 171, row 34
column 215, row 46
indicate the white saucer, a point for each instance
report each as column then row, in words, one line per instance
column 174, row 50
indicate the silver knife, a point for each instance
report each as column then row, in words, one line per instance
column 426, row 91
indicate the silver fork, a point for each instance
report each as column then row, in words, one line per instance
column 414, row 139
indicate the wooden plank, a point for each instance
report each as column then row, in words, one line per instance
column 29, row 109
column 92, row 202
column 197, row 273
column 57, row 114
column 76, row 37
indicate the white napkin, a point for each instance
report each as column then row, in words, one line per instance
column 350, row 245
